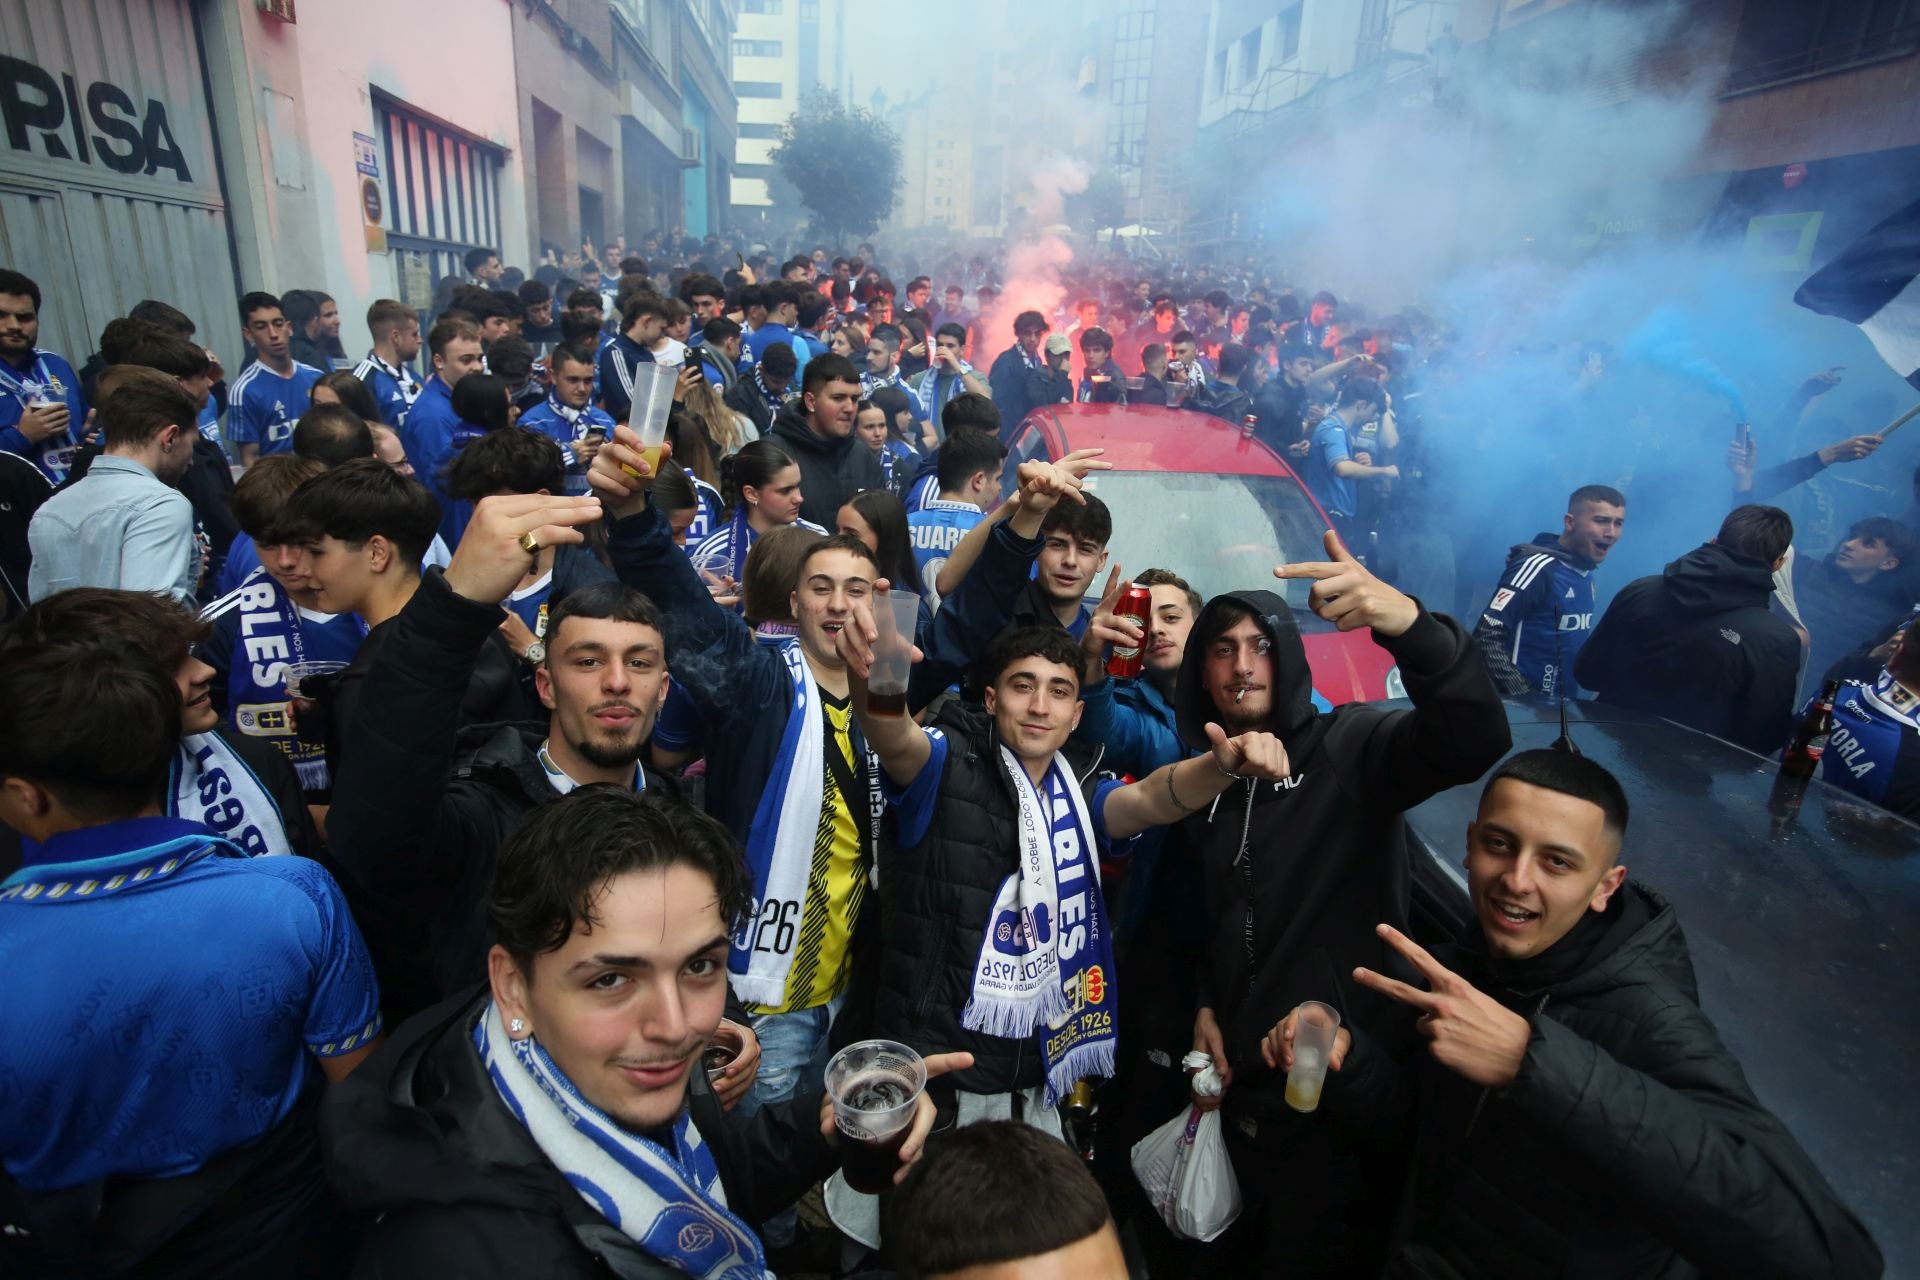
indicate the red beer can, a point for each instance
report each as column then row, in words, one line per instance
column 1135, row 602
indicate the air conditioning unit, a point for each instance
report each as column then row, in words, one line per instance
column 692, row 146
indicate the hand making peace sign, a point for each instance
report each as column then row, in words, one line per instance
column 1472, row 1034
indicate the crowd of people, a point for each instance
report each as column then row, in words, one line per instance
column 425, row 776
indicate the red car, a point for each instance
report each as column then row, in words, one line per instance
column 1190, row 495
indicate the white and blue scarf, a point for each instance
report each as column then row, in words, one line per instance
column 932, row 398
column 780, row 840
column 257, row 691
column 670, row 1203
column 212, row 785
column 707, row 511
column 1046, row 960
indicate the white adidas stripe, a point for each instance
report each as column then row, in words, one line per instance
column 1529, row 571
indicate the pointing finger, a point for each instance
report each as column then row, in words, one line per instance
column 1316, row 569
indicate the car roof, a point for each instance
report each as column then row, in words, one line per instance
column 1155, row 438
column 1801, row 937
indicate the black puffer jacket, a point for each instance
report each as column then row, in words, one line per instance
column 937, row 896
column 419, row 1136
column 831, row 471
column 1699, row 645
column 421, row 807
column 1630, row 1143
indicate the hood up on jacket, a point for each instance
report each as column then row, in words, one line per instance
column 1293, row 708
column 1711, row 579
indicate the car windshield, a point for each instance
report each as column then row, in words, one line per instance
column 1220, row 533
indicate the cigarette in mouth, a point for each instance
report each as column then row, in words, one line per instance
column 1238, row 694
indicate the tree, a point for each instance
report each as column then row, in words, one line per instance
column 1103, row 204
column 845, row 163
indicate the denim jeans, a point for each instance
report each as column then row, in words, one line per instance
column 793, row 1061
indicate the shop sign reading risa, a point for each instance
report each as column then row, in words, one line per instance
column 100, row 126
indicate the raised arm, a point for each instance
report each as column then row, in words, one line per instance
column 966, row 551
column 1042, row 484
column 396, row 846
column 982, row 605
column 1173, row 791
column 1457, row 728
column 710, row 649
column 900, row 743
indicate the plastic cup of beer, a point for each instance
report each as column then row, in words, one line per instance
column 721, row 1050
column 876, row 1087
column 1313, row 1031
column 300, row 674
column 715, row 568
column 300, row 678
column 652, row 400
column 894, row 616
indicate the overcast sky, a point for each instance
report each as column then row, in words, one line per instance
column 887, row 37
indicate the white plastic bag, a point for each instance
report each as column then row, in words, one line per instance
column 1184, row 1168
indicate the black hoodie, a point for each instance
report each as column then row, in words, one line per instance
column 419, row 1136
column 1326, row 861
column 1630, row 1143
column 831, row 471
column 1698, row 644
column 1328, row 846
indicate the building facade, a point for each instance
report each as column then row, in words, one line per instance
column 936, row 159
column 223, row 146
column 1825, row 92
column 782, row 49
column 1141, row 67
column 569, row 121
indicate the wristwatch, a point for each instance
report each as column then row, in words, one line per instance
column 536, row 653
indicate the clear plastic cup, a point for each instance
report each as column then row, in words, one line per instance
column 721, row 1050
column 716, row 569
column 876, row 1087
column 894, row 616
column 653, row 386
column 1313, row 1033
column 299, row 673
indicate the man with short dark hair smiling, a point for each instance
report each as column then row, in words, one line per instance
column 558, row 1119
column 1566, row 1038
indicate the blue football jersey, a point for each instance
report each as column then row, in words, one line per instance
column 1540, row 615
column 934, row 531
column 262, row 406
